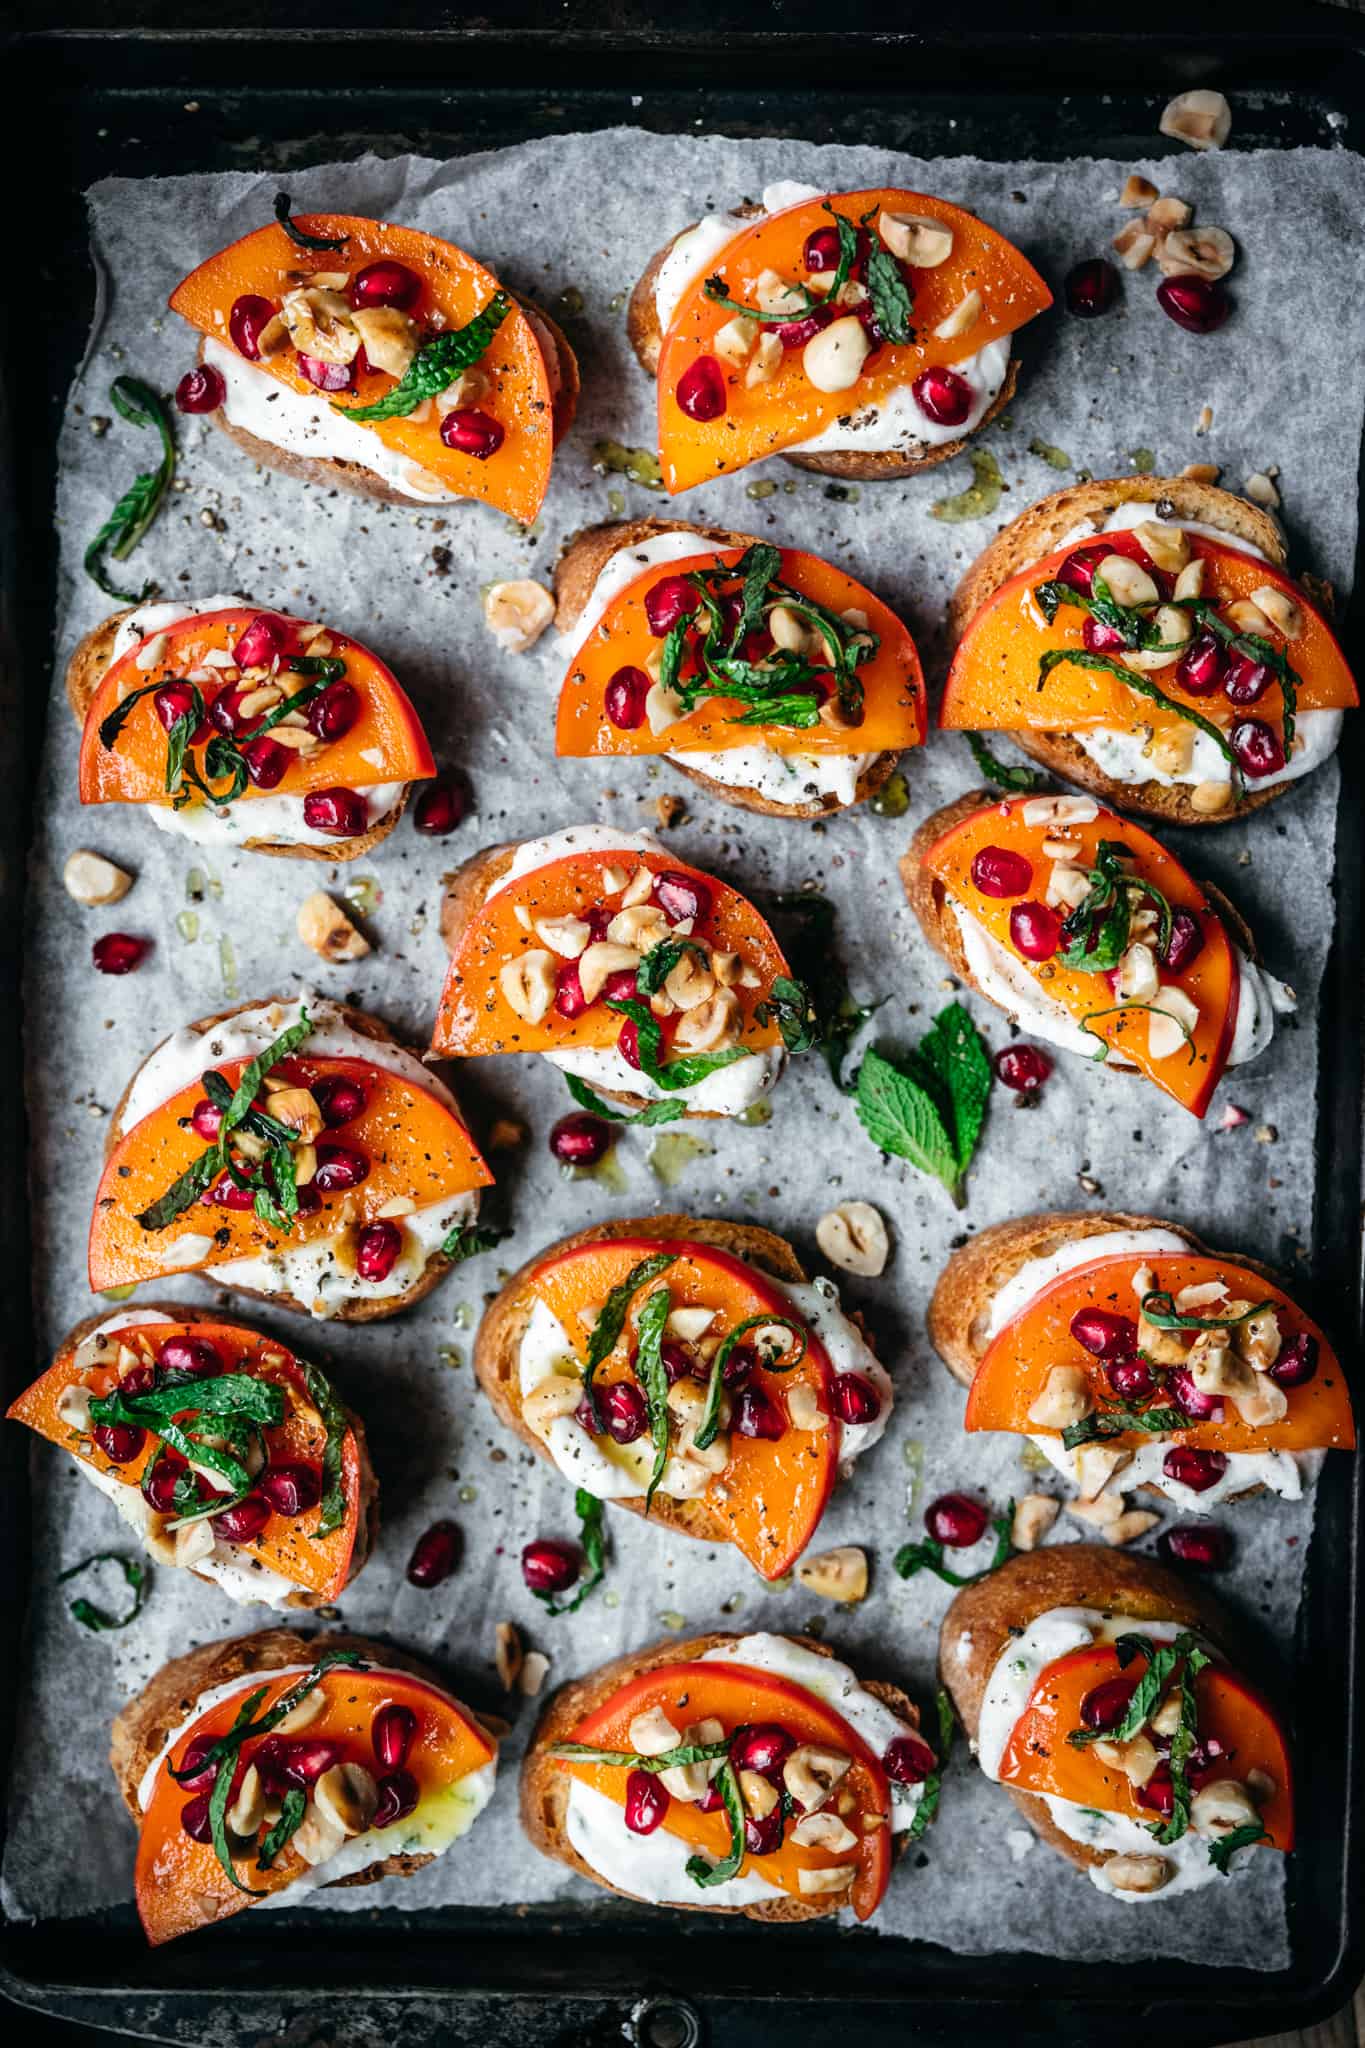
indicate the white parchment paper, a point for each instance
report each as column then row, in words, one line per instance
column 581, row 215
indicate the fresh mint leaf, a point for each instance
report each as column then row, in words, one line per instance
column 592, row 1537
column 684, row 1072
column 1115, row 1419
column 631, row 1760
column 135, row 1576
column 927, row 1556
column 1016, row 778
column 701, row 1869
column 130, row 519
column 789, row 1005
column 649, row 1370
column 435, row 365
column 926, row 1813
column 892, row 301
column 656, row 1113
column 335, row 1423
column 292, row 1810
column 299, row 236
column 467, row 1240
column 611, row 1319
column 955, row 1052
column 1222, row 1851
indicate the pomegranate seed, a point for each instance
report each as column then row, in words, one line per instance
column 200, row 390
column 385, row 284
column 161, row 1478
column 700, row 391
column 439, row 809
column 1199, row 1407
column 1186, row 942
column 226, row 709
column 264, row 639
column 598, row 919
column 646, row 1802
column 241, row 1522
column 1198, row 304
column 624, row 698
column 757, row 1414
column 1035, row 930
column 996, row 871
column 763, row 1837
column 226, row 1194
column 681, row 896
column 339, row 1101
column 620, row 987
column 119, row 1441
column 548, row 1566
column 624, row 1414
column 676, row 1361
column 172, row 702
column 710, row 1801
column 956, row 1520
column 391, row 1733
column 1022, row 1067
column 570, row 1000
column 472, row 432
column 943, row 396
column 1158, row 1794
column 1199, row 1470
column 433, row 1555
column 1079, row 569
column 739, row 1366
column 325, row 376
column 340, row 1166
column 1257, row 747
column 377, row 1249
column 585, row 1418
column 1297, row 1362
column 284, row 1763
column 580, row 1139
column 1104, row 1334
column 1091, row 288
column 796, row 333
column 1199, row 1544
column 1247, row 680
column 331, row 716
column 266, row 761
column 628, row 1043
column 119, row 952
column 1102, row 639
column 761, row 1746
column 291, row 1489
column 206, row 1119
column 194, row 1819
column 667, row 601
column 821, row 250
column 192, row 1774
column 1132, row 1379
column 341, row 813
column 249, row 315
column 191, row 1358
column 1104, row 1706
column 141, row 1380
column 399, row 1793
column 855, row 1399
column 1202, row 666
column 908, row 1760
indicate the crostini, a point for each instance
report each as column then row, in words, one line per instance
column 1141, row 637
column 230, row 1455
column 1104, row 1693
column 1132, row 1356
column 730, row 1774
column 862, row 334
column 687, row 1369
column 262, row 1768
column 379, row 359
column 768, row 676
column 1089, row 934
column 291, row 1150
column 234, row 726
column 648, row 983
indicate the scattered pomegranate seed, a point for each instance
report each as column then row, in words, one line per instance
column 757, row 1414
column 190, row 1774
column 339, row 1101
column 580, row 1139
column 667, row 601
column 1079, row 569
column 624, row 1414
column 676, row 1361
column 120, row 1441
column 1199, row 1470
column 325, row 376
column 646, row 1802
column 192, row 1358
column 570, row 1000
column 943, row 396
column 226, row 1194
column 391, row 1734
column 763, row 1837
column 339, row 1167
column 1247, row 679
column 1198, row 1543
column 1198, row 304
column 997, row 871
column 439, row 809
column 739, row 1366
column 821, row 250
column 908, row 1760
column 681, row 896
column 1199, row 1407
column 241, row 1522
column 194, row 1819
column 119, row 952
column 291, row 1489
column 623, row 700
column 1186, row 942
column 548, row 1566
column 1202, row 666
column 433, row 1555
column 266, row 637
column 399, row 1793
column 472, row 432
column 761, row 1746
column 700, row 390
column 956, row 1520
column 161, row 1477
column 200, row 390
column 1102, row 639
column 206, row 1119
column 331, row 715
column 796, row 333
column 855, row 1399
column 1297, row 1362
column 1104, row 1706
column 341, row 813
column 377, row 1249
column 1104, row 1334
column 1022, row 1067
column 385, row 283
column 628, row 1043
column 249, row 315
column 266, row 761
column 1091, row 288
column 1035, row 930
column 1257, row 747
column 1132, row 1379
column 1158, row 1794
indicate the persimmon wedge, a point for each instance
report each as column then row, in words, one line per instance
column 994, row 681
column 517, row 390
column 738, row 1695
column 290, row 1544
column 416, row 1148
column 967, row 854
column 893, row 686
column 1015, row 1368
column 772, row 1494
column 385, row 742
column 179, row 1883
column 1038, row 1757
column 764, row 417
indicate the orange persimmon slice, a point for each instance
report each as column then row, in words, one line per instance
column 1038, row 1758
column 893, row 687
column 179, row 1883
column 737, row 1695
column 455, row 288
column 288, row 1544
column 1016, row 1365
column 416, row 1146
column 385, row 744
column 772, row 1494
column 1211, row 980
column 763, row 419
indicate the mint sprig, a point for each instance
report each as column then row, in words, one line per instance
column 135, row 1576
column 436, row 365
column 930, row 1109
column 592, row 1538
column 927, row 1555
column 656, row 1113
column 130, row 519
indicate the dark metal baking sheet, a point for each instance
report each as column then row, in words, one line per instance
column 107, row 99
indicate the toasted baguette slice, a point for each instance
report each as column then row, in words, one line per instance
column 545, row 1788
column 985, row 1617
column 86, row 671
column 851, row 464
column 330, row 473
column 585, row 556
column 364, row 1311
column 1043, row 527
column 142, row 1728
